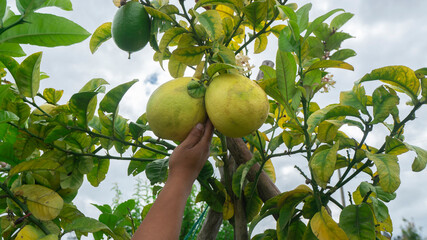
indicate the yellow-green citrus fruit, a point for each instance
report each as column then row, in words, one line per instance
column 236, row 105
column 29, row 233
column 172, row 112
column 131, row 27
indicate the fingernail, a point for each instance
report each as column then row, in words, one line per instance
column 199, row 126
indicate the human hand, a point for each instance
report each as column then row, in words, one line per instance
column 188, row 159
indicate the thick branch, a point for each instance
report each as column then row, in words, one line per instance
column 266, row 188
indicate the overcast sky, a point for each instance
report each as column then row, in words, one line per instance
column 386, row 32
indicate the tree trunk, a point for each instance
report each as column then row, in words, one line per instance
column 211, row 226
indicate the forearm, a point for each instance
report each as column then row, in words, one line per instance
column 164, row 219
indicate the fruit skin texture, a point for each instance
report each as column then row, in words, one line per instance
column 131, row 27
column 236, row 105
column 172, row 112
column 29, row 233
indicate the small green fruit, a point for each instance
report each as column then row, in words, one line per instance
column 131, row 27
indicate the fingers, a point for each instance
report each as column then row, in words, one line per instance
column 194, row 136
column 207, row 135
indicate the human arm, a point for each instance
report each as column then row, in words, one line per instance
column 164, row 219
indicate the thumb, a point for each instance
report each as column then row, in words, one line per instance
column 194, row 136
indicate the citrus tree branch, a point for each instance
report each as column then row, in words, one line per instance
column 79, row 153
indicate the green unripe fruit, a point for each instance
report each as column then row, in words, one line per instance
column 172, row 112
column 236, row 105
column 131, row 27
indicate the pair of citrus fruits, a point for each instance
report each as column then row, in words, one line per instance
column 236, row 106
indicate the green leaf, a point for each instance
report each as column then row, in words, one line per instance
column 28, row 5
column 394, row 146
column 7, row 154
column 334, row 41
column 324, row 227
column 355, row 98
column 342, row 54
column 322, row 165
column 380, row 209
column 318, row 21
column 287, row 41
column 190, row 55
column 239, row 176
column 169, row 36
column 302, row 16
column 234, row 4
column 94, row 85
column 331, row 111
column 10, row 63
column 226, row 55
column 270, row 87
column 386, row 197
column 101, row 35
column 98, row 172
column 327, row 131
column 24, row 146
column 36, row 164
column 420, row 160
column 292, row 138
column 286, row 74
column 340, row 20
column 59, row 132
column 85, row 225
column 253, row 202
column 80, row 105
column 400, row 77
column 217, row 67
column 111, row 100
column 357, row 221
column 330, row 64
column 388, row 170
column 176, row 68
column 211, row 21
column 156, row 170
column 289, row 12
column 63, row 4
column 196, row 89
column 44, row 203
column 11, row 49
column 3, row 5
column 256, row 12
column 44, row 30
column 287, row 202
column 384, row 102
column 27, row 75
column 6, row 116
column 158, row 14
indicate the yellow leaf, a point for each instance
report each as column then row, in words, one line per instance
column 260, row 43
column 224, row 11
column 43, row 203
column 269, row 169
column 227, row 208
column 325, row 228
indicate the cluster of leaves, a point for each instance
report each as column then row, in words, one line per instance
column 49, row 148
